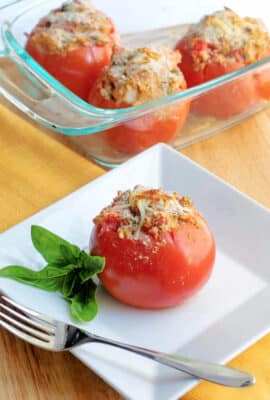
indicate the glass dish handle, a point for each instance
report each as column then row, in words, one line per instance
column 25, row 90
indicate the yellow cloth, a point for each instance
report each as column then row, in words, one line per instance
column 36, row 170
column 255, row 360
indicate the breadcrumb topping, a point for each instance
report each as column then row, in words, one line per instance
column 142, row 211
column 136, row 76
column 228, row 35
column 74, row 25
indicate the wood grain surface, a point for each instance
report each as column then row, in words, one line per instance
column 35, row 171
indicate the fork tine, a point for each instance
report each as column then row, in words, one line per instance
column 27, row 324
column 44, row 319
column 33, row 333
column 27, row 319
column 23, row 335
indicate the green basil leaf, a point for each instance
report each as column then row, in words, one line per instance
column 49, row 278
column 70, row 253
column 69, row 271
column 71, row 282
column 53, row 248
column 91, row 265
column 84, row 306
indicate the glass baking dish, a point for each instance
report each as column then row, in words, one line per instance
column 35, row 92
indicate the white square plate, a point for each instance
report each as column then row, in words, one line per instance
column 227, row 315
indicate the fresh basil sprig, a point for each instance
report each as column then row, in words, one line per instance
column 69, row 270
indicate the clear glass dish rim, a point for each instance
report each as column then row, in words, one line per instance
column 114, row 114
column 9, row 3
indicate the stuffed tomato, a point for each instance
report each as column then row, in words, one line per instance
column 219, row 44
column 73, row 43
column 134, row 77
column 158, row 248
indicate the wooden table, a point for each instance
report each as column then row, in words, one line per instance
column 240, row 156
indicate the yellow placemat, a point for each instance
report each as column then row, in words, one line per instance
column 36, row 170
column 255, row 360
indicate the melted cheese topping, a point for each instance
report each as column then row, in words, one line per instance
column 136, row 76
column 228, row 34
column 142, row 212
column 74, row 25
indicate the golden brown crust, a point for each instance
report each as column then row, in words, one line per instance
column 228, row 36
column 74, row 25
column 137, row 76
column 143, row 211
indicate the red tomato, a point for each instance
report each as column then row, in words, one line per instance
column 226, row 100
column 134, row 136
column 76, row 69
column 142, row 276
column 229, row 99
column 263, row 82
column 264, row 85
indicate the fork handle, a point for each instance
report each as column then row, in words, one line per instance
column 211, row 372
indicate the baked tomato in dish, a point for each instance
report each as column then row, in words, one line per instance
column 137, row 76
column 73, row 43
column 219, row 44
column 159, row 249
column 263, row 82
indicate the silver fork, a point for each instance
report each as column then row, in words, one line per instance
column 50, row 334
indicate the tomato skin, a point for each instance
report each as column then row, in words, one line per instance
column 138, row 275
column 192, row 76
column 229, row 99
column 264, row 85
column 263, row 82
column 225, row 101
column 137, row 135
column 76, row 69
